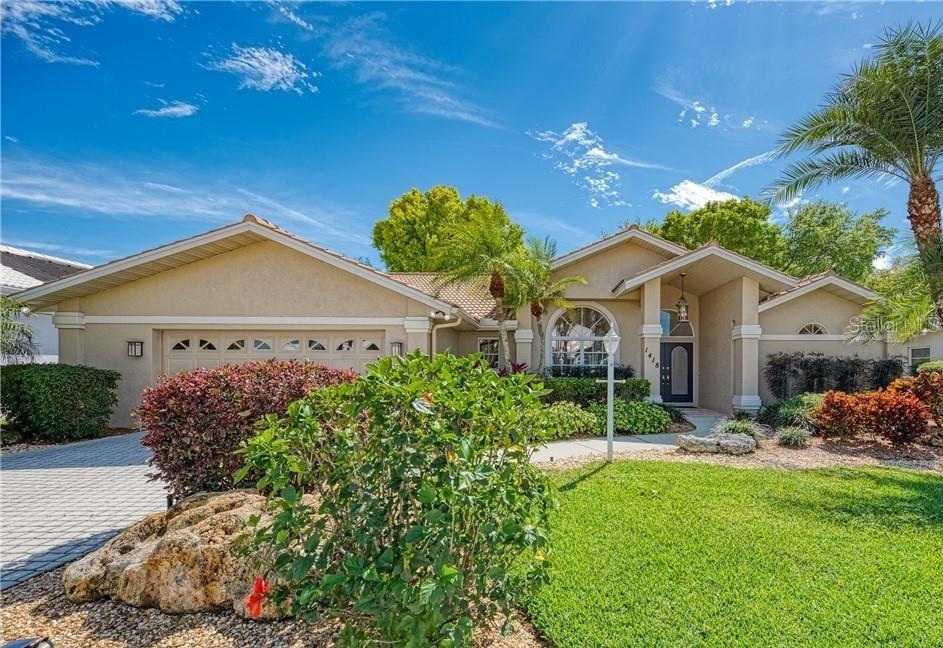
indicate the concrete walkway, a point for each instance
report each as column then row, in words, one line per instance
column 61, row 502
column 702, row 419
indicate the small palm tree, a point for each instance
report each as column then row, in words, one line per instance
column 884, row 120
column 487, row 244
column 539, row 287
column 16, row 336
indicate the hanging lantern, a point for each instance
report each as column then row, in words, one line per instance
column 682, row 305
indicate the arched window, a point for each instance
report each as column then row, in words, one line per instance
column 576, row 338
column 813, row 328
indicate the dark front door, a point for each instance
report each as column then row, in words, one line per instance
column 677, row 372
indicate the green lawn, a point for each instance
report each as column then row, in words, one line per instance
column 655, row 553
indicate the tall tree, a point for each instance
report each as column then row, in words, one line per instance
column 17, row 336
column 538, row 286
column 741, row 225
column 486, row 243
column 822, row 236
column 884, row 119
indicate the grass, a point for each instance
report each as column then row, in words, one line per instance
column 670, row 554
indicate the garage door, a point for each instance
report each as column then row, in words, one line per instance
column 189, row 350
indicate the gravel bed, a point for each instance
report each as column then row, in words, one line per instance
column 819, row 454
column 39, row 607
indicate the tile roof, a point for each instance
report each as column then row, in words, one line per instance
column 805, row 281
column 472, row 296
column 21, row 268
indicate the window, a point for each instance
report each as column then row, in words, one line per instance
column 346, row 345
column 236, row 345
column 918, row 355
column 207, row 345
column 813, row 328
column 369, row 345
column 261, row 345
column 291, row 345
column 182, row 345
column 489, row 350
column 316, row 345
column 669, row 319
column 577, row 338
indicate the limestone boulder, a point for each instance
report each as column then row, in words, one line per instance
column 722, row 443
column 181, row 560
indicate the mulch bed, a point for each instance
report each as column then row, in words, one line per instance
column 39, row 607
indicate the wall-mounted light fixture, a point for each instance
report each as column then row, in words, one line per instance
column 396, row 348
column 135, row 348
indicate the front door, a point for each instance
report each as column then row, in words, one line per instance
column 677, row 372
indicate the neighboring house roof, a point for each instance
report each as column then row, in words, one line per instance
column 251, row 229
column 828, row 281
column 772, row 278
column 471, row 296
column 631, row 233
column 21, row 268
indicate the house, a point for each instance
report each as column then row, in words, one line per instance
column 20, row 269
column 698, row 324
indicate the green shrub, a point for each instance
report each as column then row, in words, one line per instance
column 674, row 413
column 791, row 373
column 428, row 515
column 586, row 391
column 632, row 417
column 748, row 427
column 798, row 411
column 562, row 420
column 930, row 366
column 57, row 402
column 794, row 437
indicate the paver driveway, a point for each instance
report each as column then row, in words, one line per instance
column 59, row 503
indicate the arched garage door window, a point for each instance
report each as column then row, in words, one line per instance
column 576, row 338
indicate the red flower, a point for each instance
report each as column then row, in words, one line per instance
column 254, row 600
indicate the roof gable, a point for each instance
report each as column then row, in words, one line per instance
column 631, row 233
column 828, row 281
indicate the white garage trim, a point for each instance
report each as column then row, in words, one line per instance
column 220, row 320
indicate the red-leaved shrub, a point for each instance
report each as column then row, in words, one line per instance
column 837, row 415
column 894, row 416
column 195, row 421
column 926, row 387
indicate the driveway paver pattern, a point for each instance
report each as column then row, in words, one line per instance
column 61, row 502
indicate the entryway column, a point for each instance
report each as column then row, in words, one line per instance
column 746, row 350
column 650, row 335
column 417, row 334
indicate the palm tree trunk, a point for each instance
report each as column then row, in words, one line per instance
column 504, row 360
column 923, row 212
column 540, row 340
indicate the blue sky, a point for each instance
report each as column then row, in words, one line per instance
column 130, row 124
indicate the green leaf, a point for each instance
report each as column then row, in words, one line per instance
column 289, row 494
column 426, row 494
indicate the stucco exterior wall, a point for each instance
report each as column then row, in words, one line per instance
column 605, row 269
column 819, row 306
column 718, row 310
column 933, row 341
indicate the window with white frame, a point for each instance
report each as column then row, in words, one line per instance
column 577, row 338
column 813, row 328
column 919, row 355
column 489, row 348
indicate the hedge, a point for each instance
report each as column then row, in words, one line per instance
column 632, row 417
column 59, row 402
column 788, row 374
column 586, row 391
column 930, row 366
column 196, row 421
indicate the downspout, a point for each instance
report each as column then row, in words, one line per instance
column 446, row 323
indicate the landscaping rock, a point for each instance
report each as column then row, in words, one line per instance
column 733, row 444
column 180, row 560
column 935, row 438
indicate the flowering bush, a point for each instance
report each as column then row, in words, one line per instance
column 896, row 417
column 837, row 415
column 632, row 417
column 429, row 516
column 927, row 387
column 196, row 421
column 562, row 420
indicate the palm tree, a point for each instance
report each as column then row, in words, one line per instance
column 884, row 120
column 486, row 244
column 538, row 286
column 16, row 336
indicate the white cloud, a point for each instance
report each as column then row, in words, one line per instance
column 41, row 25
column 689, row 194
column 420, row 84
column 289, row 15
column 135, row 193
column 266, row 68
column 169, row 109
column 58, row 248
column 10, row 138
column 700, row 111
column 845, row 189
column 882, row 262
column 746, row 123
column 580, row 153
column 714, row 120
